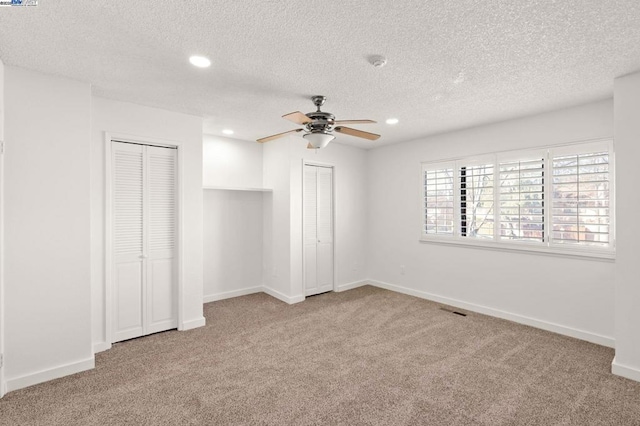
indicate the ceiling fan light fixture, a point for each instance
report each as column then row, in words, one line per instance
column 318, row 140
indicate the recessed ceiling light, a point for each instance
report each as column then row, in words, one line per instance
column 392, row 121
column 227, row 131
column 378, row 61
column 200, row 61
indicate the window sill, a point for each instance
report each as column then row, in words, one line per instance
column 571, row 252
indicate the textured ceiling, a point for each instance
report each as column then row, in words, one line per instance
column 451, row 64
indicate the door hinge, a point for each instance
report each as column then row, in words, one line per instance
column 1, row 360
column 1, row 147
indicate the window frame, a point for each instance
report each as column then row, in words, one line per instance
column 545, row 247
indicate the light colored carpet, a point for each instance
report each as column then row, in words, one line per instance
column 366, row 356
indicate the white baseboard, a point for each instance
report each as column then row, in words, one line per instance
column 229, row 294
column 101, row 347
column 3, row 388
column 544, row 325
column 191, row 324
column 625, row 371
column 50, row 374
column 296, row 299
column 350, row 286
column 286, row 299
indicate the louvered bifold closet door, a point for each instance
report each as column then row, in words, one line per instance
column 325, row 228
column 161, row 249
column 144, row 210
column 310, row 235
column 128, row 246
column 318, row 229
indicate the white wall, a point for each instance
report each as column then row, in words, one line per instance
column 233, row 220
column 231, row 163
column 627, row 308
column 2, row 384
column 47, row 229
column 232, row 243
column 573, row 296
column 283, row 162
column 145, row 122
column 276, row 219
column 1, row 100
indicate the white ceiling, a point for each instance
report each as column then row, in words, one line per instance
column 451, row 64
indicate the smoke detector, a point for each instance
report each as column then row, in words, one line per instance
column 378, row 61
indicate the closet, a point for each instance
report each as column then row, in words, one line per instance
column 144, row 230
column 318, row 229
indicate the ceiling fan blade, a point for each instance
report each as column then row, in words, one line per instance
column 297, row 117
column 279, row 135
column 355, row 122
column 357, row 133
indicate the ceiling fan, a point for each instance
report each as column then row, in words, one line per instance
column 319, row 126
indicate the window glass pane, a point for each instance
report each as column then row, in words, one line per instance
column 522, row 200
column 438, row 201
column 476, row 201
column 580, row 195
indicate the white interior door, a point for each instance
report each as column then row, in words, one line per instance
column 318, row 229
column 144, row 234
column 161, row 245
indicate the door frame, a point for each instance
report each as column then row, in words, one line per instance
column 108, row 261
column 333, row 223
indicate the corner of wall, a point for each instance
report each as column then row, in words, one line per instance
column 625, row 371
column 627, row 292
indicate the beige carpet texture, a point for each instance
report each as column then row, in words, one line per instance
column 362, row 357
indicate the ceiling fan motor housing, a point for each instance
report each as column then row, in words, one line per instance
column 320, row 121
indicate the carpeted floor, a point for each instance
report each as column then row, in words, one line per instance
column 365, row 356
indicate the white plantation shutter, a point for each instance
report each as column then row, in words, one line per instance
column 127, row 198
column 438, row 180
column 476, row 200
column 521, row 199
column 556, row 199
column 162, row 198
column 581, row 199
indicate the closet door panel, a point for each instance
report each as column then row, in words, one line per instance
column 325, row 229
column 318, row 229
column 162, row 224
column 128, row 247
column 128, row 298
column 162, row 312
column 310, row 235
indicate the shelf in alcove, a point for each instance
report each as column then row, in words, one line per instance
column 230, row 188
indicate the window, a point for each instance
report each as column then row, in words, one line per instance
column 438, row 200
column 581, row 199
column 522, row 200
column 476, row 201
column 557, row 200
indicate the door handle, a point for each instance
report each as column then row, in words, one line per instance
column 143, row 256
